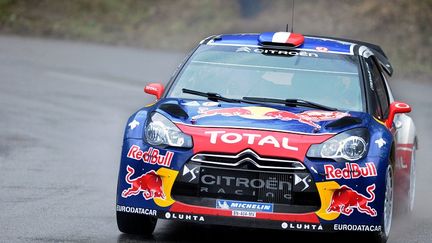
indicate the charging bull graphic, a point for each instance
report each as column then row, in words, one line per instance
column 261, row 113
column 238, row 111
column 149, row 183
column 345, row 200
column 288, row 116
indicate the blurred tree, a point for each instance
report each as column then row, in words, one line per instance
column 160, row 23
column 250, row 8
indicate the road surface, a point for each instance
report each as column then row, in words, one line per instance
column 63, row 107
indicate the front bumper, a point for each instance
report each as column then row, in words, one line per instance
column 169, row 200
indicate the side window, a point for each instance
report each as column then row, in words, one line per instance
column 374, row 105
column 379, row 88
column 389, row 92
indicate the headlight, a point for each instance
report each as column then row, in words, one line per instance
column 160, row 131
column 351, row 145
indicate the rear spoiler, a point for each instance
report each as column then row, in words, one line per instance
column 385, row 64
column 377, row 51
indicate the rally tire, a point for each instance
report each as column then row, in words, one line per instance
column 383, row 235
column 136, row 224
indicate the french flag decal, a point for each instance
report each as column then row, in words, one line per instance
column 288, row 38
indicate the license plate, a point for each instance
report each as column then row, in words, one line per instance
column 246, row 185
column 244, row 214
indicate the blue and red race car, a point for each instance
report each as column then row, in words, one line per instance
column 273, row 130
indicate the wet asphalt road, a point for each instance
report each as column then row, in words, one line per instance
column 63, row 107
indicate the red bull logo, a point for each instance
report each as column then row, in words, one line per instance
column 350, row 171
column 238, row 111
column 262, row 113
column 150, row 184
column 151, row 156
column 323, row 115
column 289, row 116
column 346, row 199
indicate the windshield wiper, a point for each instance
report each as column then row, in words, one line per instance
column 217, row 97
column 290, row 102
column 211, row 96
column 259, row 100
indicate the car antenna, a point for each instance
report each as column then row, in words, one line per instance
column 292, row 17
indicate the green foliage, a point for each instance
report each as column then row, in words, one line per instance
column 402, row 27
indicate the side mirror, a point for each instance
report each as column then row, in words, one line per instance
column 395, row 108
column 155, row 89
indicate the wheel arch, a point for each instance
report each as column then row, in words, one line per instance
column 392, row 157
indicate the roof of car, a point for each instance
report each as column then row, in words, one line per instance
column 310, row 42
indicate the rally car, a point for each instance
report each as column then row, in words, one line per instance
column 273, row 130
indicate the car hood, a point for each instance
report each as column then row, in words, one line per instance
column 263, row 117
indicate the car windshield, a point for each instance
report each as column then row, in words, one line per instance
column 235, row 72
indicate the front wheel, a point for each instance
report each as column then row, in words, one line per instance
column 383, row 235
column 136, row 224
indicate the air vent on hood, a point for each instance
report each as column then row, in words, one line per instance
column 174, row 110
column 344, row 122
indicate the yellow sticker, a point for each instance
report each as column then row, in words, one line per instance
column 326, row 190
column 258, row 113
column 168, row 177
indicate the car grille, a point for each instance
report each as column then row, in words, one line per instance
column 247, row 177
column 247, row 157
